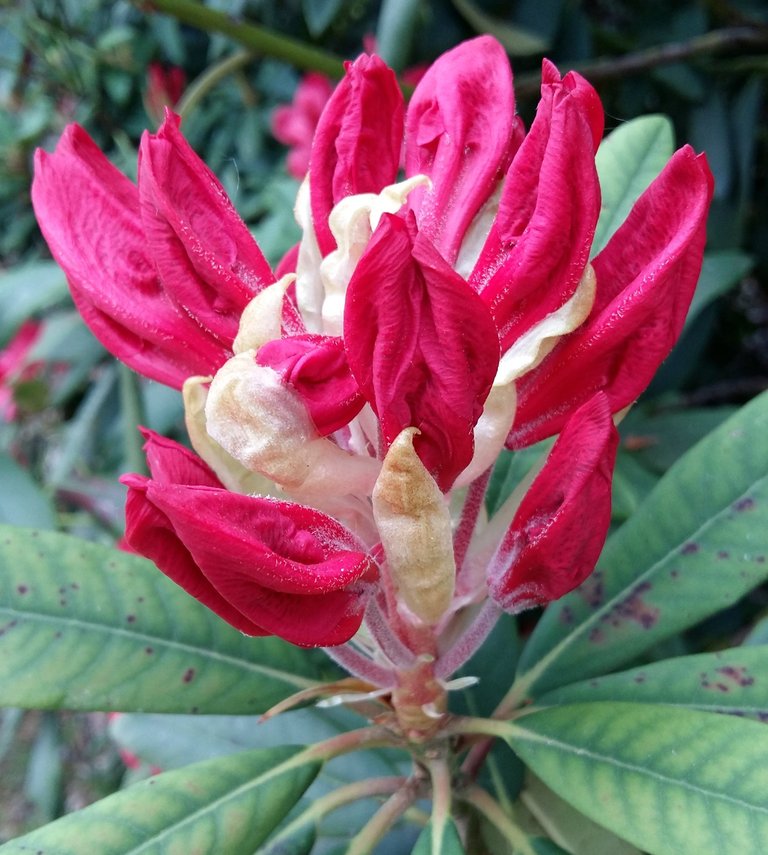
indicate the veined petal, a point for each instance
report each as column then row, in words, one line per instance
column 562, row 521
column 358, row 140
column 461, row 131
column 421, row 345
column 264, row 424
column 316, row 367
column 89, row 214
column 268, row 567
column 204, row 253
column 538, row 247
column 414, row 521
column 646, row 277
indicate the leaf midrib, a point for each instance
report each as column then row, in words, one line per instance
column 144, row 638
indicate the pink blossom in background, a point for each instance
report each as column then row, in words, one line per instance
column 294, row 124
column 345, row 415
column 165, row 86
column 15, row 366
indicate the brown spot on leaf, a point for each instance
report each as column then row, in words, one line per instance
column 189, row 675
column 22, row 589
column 690, row 548
column 745, row 504
column 593, row 589
column 633, row 608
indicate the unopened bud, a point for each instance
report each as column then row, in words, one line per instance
column 414, row 522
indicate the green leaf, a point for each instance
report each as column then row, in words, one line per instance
column 83, row 626
column 574, row 831
column 720, row 272
column 27, row 290
column 22, row 502
column 632, row 482
column 671, row 781
column 230, row 805
column 627, row 161
column 395, row 29
column 439, row 838
column 729, row 681
column 516, row 40
column 657, row 440
column 320, row 14
column 697, row 544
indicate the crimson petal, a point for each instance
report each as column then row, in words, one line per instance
column 357, row 142
column 316, row 367
column 421, row 345
column 266, row 567
column 204, row 253
column 560, row 527
column 461, row 131
column 646, row 277
column 539, row 243
column 89, row 214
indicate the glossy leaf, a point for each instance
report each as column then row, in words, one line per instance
column 627, row 161
column 580, row 835
column 671, row 781
column 227, row 805
column 439, row 839
column 22, row 502
column 83, row 626
column 720, row 272
column 516, row 40
column 698, row 544
column 729, row 681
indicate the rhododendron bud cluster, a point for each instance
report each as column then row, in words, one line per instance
column 346, row 410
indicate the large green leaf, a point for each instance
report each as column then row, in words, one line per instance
column 83, row 626
column 697, row 544
column 228, row 805
column 671, row 781
column 729, row 681
column 627, row 161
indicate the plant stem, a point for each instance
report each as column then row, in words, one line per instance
column 344, row 743
column 485, row 804
column 338, row 798
column 210, row 78
column 132, row 410
column 728, row 38
column 384, row 818
column 253, row 37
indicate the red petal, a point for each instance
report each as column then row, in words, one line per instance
column 208, row 261
column 89, row 214
column 421, row 345
column 539, row 244
column 646, row 277
column 267, row 567
column 460, row 131
column 358, row 141
column 171, row 463
column 149, row 532
column 316, row 367
column 560, row 527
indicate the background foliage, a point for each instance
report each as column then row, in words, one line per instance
column 68, row 412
